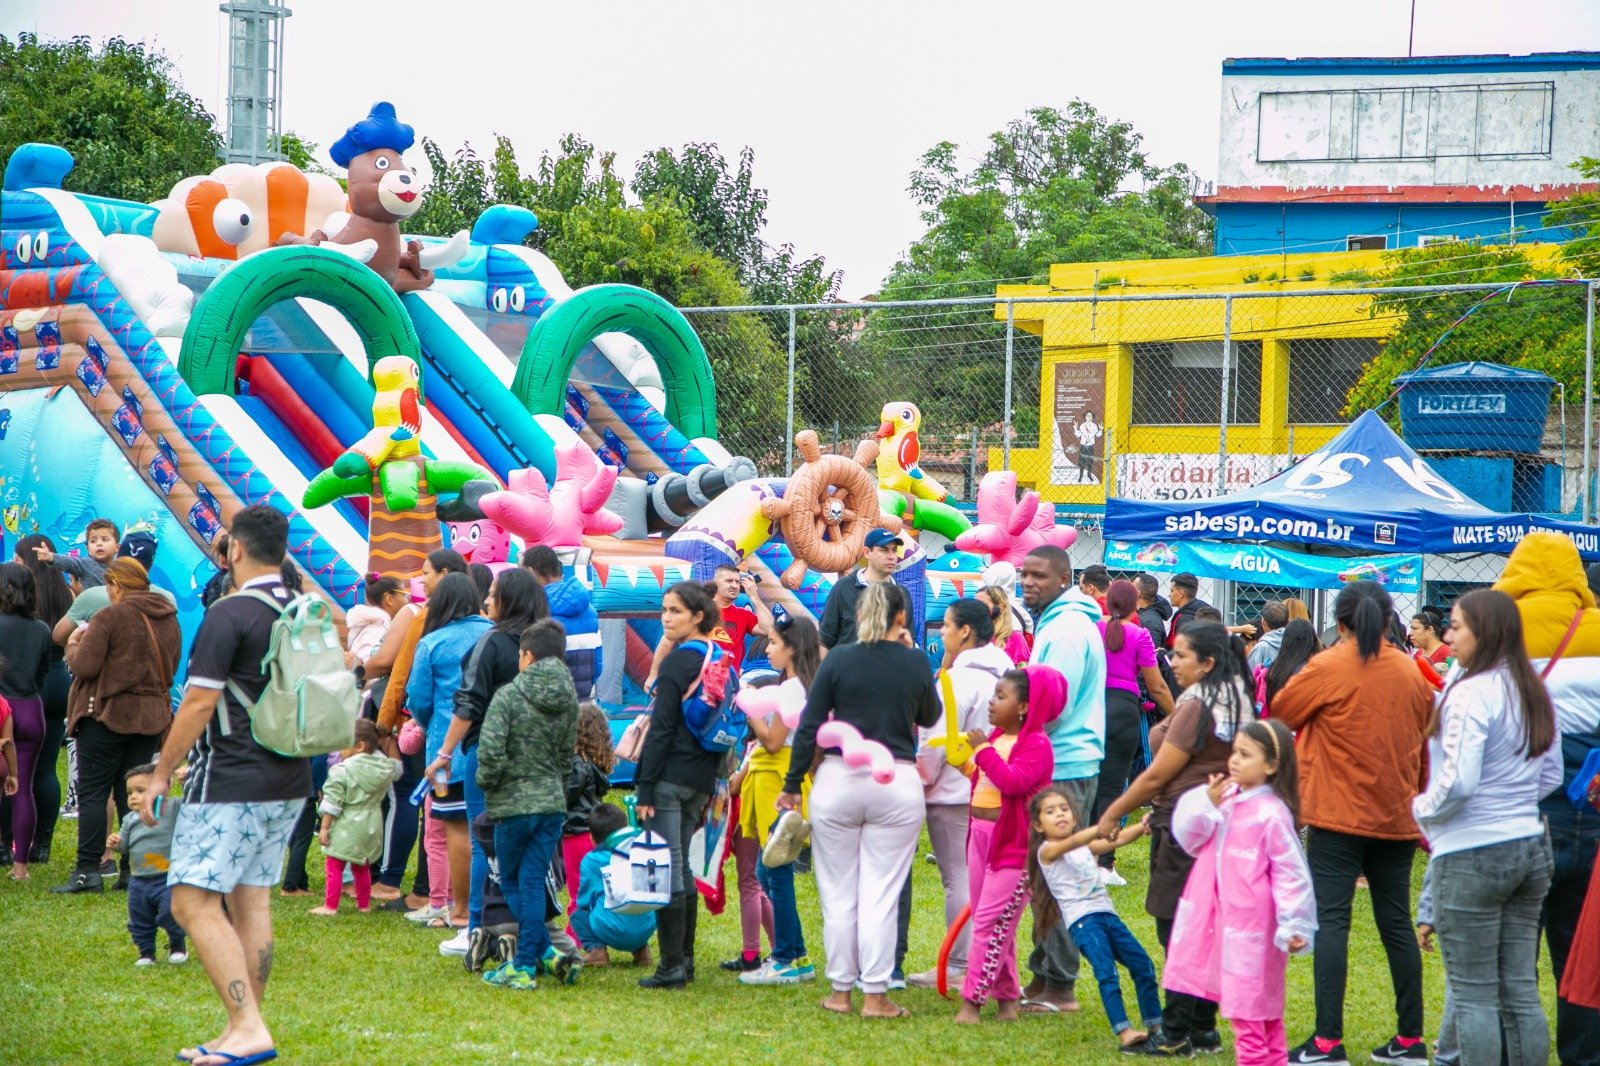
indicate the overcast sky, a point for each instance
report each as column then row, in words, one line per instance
column 839, row 100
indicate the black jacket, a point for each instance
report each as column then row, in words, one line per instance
column 488, row 666
column 671, row 752
column 1183, row 615
column 586, row 789
column 1154, row 619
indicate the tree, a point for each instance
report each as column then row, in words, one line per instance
column 1534, row 327
column 593, row 231
column 1580, row 214
column 1054, row 186
column 120, row 111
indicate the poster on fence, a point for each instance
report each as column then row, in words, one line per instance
column 1080, row 417
column 1168, row 476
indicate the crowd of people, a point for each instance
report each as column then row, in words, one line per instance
column 1279, row 777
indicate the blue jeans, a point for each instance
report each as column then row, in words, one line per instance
column 1486, row 904
column 524, row 846
column 480, row 862
column 1104, row 941
column 788, row 939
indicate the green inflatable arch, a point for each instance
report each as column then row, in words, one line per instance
column 553, row 346
column 224, row 313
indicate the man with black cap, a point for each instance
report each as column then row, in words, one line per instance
column 839, row 613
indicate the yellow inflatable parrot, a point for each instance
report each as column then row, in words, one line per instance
column 898, row 469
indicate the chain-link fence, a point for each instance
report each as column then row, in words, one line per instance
column 1177, row 396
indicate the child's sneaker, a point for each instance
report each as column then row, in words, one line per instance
column 456, row 945
column 563, row 966
column 1315, row 1050
column 512, row 976
column 177, row 958
column 146, row 960
column 505, row 947
column 1111, row 879
column 743, row 964
column 789, row 835
column 480, row 947
column 1398, row 1050
column 781, row 973
column 1208, row 1042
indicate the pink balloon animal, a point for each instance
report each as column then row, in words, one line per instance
column 788, row 702
column 856, row 749
column 1008, row 528
column 481, row 542
column 559, row 516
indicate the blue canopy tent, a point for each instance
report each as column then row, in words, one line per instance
column 1363, row 492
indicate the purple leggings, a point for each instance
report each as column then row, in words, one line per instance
column 27, row 728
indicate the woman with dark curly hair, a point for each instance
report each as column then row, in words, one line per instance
column 588, row 781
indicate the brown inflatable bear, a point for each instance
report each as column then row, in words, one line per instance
column 383, row 191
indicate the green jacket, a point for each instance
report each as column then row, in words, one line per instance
column 354, row 795
column 526, row 745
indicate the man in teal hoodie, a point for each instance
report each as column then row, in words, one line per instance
column 1066, row 637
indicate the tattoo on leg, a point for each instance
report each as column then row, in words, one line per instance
column 265, row 969
column 236, row 991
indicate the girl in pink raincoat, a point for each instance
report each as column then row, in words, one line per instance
column 1248, row 902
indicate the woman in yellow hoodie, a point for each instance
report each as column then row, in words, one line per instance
column 1546, row 578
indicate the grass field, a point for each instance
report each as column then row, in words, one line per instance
column 373, row 988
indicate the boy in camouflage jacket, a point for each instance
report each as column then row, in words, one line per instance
column 525, row 748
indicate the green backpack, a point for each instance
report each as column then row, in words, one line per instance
column 311, row 701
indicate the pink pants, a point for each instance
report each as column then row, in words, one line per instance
column 335, row 885
column 437, row 855
column 979, row 834
column 1260, row 1043
column 755, row 909
column 574, row 846
column 997, row 909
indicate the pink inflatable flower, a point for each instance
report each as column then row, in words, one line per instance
column 1009, row 528
column 557, row 516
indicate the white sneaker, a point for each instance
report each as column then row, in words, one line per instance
column 954, row 975
column 456, row 945
column 145, row 960
column 178, row 958
column 69, row 812
column 1112, row 879
column 789, row 835
column 426, row 913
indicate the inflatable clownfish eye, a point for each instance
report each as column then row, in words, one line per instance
column 498, row 301
column 231, row 220
column 41, row 245
column 382, row 163
column 518, row 299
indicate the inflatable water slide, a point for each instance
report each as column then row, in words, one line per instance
column 168, row 363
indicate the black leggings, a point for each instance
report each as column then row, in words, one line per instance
column 1122, row 744
column 402, row 823
column 1184, row 1016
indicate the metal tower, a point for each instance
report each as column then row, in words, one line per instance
column 255, row 80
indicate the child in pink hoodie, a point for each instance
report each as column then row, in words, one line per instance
column 1017, row 760
column 1249, row 901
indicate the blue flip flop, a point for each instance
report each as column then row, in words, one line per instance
column 239, row 1060
column 199, row 1053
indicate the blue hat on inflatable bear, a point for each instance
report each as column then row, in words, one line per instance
column 380, row 129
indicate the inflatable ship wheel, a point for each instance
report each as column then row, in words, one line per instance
column 828, row 506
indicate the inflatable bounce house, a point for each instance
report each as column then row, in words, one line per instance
column 264, row 335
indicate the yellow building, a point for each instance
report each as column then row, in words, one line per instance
column 1130, row 396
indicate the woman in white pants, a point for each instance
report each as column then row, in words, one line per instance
column 864, row 834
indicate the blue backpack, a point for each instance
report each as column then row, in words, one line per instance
column 708, row 708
